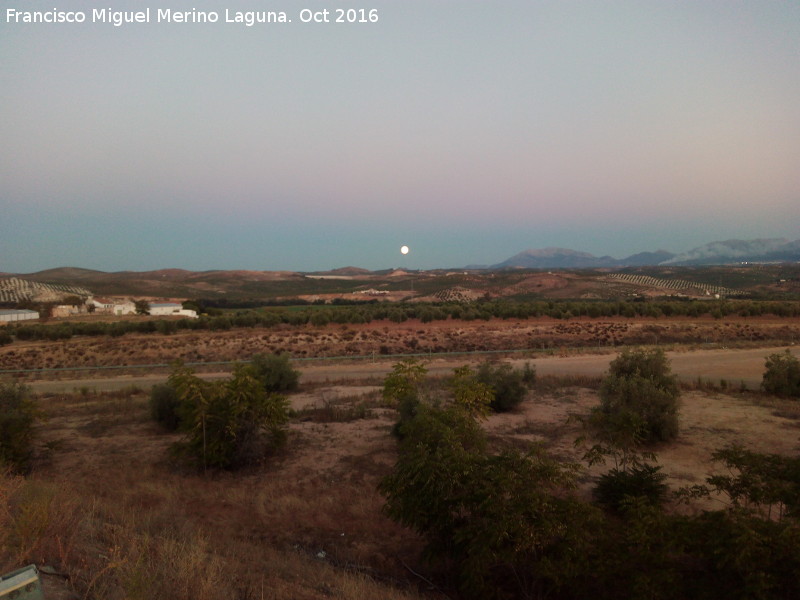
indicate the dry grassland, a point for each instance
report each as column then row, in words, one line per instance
column 107, row 508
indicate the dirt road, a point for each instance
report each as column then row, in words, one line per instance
column 735, row 366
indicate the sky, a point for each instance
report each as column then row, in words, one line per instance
column 468, row 130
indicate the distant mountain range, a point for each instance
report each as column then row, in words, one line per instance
column 716, row 253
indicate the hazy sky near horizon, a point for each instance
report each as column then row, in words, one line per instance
column 469, row 130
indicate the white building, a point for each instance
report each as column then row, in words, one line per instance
column 125, row 308
column 102, row 305
column 6, row 316
column 171, row 309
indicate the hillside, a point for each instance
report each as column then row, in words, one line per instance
column 715, row 253
column 354, row 284
column 14, row 290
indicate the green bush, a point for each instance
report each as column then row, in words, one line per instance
column 275, row 372
column 18, row 414
column 5, row 337
column 617, row 488
column 401, row 388
column 165, row 406
column 509, row 384
column 494, row 518
column 759, row 481
column 229, row 423
column 782, row 375
column 639, row 393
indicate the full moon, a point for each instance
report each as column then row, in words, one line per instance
column 403, row 249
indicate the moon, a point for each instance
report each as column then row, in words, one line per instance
column 403, row 249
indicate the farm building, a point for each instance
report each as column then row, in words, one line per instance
column 66, row 310
column 102, row 305
column 17, row 315
column 125, row 308
column 171, row 308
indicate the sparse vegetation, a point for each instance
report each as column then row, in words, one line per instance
column 508, row 525
column 18, row 414
column 782, row 375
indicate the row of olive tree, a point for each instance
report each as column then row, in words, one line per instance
column 400, row 312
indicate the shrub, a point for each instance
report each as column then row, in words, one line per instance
column 5, row 337
column 640, row 393
column 782, row 375
column 18, row 415
column 617, row 488
column 401, row 388
column 275, row 372
column 494, row 516
column 229, row 423
column 165, row 406
column 469, row 393
column 759, row 480
column 508, row 384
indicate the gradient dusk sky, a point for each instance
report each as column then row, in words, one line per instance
column 469, row 130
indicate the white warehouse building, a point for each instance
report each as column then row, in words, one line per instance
column 171, row 308
column 7, row 316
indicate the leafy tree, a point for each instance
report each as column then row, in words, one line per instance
column 470, row 393
column 509, row 385
column 782, row 375
column 430, row 481
column 275, row 372
column 401, row 388
column 142, row 307
column 18, row 414
column 638, row 399
column 760, row 481
column 616, row 489
column 228, row 423
column 503, row 520
column 404, row 380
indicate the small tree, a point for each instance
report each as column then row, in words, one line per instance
column 401, row 388
column 508, row 384
column 470, row 393
column 503, row 520
column 782, row 375
column 760, row 481
column 18, row 415
column 641, row 393
column 228, row 423
column 275, row 372
column 616, row 489
column 142, row 307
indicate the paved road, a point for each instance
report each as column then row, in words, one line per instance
column 733, row 365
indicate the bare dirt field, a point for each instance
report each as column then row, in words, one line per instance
column 737, row 367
